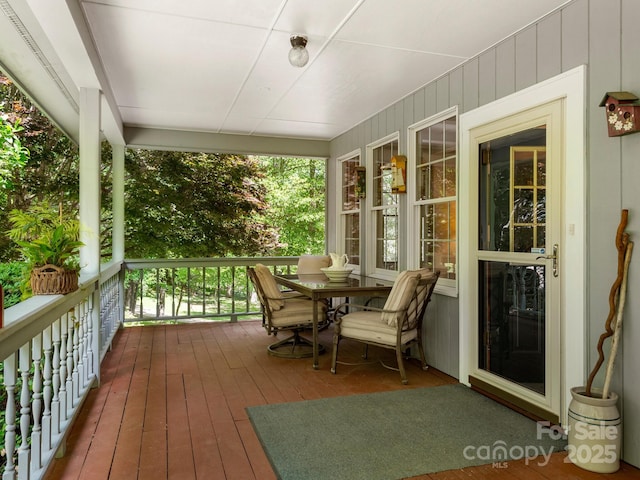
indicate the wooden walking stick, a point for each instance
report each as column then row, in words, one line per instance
column 622, row 240
column 618, row 325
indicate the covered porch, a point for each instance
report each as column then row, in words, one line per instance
column 172, row 405
column 69, row 358
column 168, row 400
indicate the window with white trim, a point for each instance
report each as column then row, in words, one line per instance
column 352, row 190
column 433, row 162
column 383, row 207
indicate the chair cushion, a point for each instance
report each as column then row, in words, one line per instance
column 370, row 327
column 311, row 264
column 422, row 292
column 270, row 287
column 400, row 296
column 296, row 311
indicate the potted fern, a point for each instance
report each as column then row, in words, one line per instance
column 50, row 245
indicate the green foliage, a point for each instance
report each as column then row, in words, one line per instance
column 177, row 204
column 12, row 155
column 194, row 205
column 56, row 249
column 48, row 172
column 10, row 279
column 296, row 198
column 46, row 237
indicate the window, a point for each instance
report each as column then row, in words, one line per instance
column 351, row 193
column 434, row 169
column 384, row 207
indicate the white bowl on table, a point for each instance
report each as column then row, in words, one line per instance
column 337, row 274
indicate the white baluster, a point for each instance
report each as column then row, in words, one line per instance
column 47, row 391
column 24, row 451
column 105, row 305
column 69, row 379
column 57, row 372
column 36, row 403
column 82, row 319
column 112, row 311
column 75, row 334
column 10, row 417
column 64, row 335
column 89, row 349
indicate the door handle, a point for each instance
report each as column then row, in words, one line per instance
column 554, row 257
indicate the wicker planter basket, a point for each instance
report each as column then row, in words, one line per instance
column 53, row 280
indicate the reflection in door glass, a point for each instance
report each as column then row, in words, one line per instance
column 512, row 216
column 512, row 199
column 512, row 323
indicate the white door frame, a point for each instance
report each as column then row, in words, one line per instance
column 569, row 86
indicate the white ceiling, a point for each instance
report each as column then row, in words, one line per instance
column 221, row 65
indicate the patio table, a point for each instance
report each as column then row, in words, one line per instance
column 318, row 286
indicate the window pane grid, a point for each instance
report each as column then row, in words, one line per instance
column 350, row 199
column 382, row 177
column 435, row 198
column 384, row 207
column 438, row 237
column 528, row 198
column 350, row 209
column 512, row 196
column 387, row 239
column 436, row 172
column 352, row 237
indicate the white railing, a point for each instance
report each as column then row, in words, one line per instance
column 195, row 288
column 51, row 347
column 111, row 306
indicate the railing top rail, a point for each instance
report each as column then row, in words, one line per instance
column 27, row 319
column 140, row 263
column 109, row 269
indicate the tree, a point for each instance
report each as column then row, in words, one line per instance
column 296, row 198
column 13, row 156
column 47, row 173
column 181, row 204
column 177, row 204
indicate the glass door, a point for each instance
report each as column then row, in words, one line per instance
column 512, row 208
column 518, row 212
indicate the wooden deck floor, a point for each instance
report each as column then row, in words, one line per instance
column 172, row 401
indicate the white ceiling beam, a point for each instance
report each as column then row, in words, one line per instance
column 159, row 139
column 66, row 28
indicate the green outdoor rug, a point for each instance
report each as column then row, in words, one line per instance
column 393, row 435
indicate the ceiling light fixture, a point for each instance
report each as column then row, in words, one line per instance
column 298, row 55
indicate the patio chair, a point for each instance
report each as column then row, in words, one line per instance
column 396, row 326
column 311, row 264
column 290, row 311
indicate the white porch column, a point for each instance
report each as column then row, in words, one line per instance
column 117, row 174
column 90, row 180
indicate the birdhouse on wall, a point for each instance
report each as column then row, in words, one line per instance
column 623, row 113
